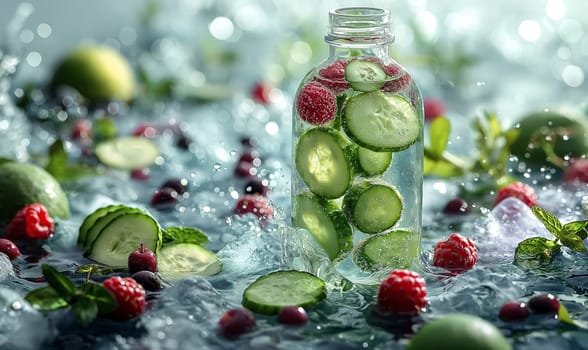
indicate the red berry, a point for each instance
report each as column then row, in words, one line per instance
column 455, row 254
column 513, row 311
column 245, row 169
column 316, row 104
column 130, row 296
column 544, row 304
column 402, row 293
column 456, row 206
column 433, row 108
column 235, row 322
column 142, row 259
column 164, row 198
column 255, row 204
column 518, row 190
column 293, row 316
column 32, row 221
column 9, row 248
column 333, row 77
column 400, row 79
column 577, row 171
column 81, row 130
column 180, row 185
column 261, row 93
column 256, row 186
column 147, row 130
column 140, row 174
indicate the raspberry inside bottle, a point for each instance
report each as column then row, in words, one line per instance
column 357, row 150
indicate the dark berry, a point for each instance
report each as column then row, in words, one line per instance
column 254, row 204
column 81, row 130
column 293, row 316
column 148, row 279
column 544, row 304
column 513, row 311
column 235, row 322
column 183, row 142
column 142, row 259
column 147, row 130
column 164, row 198
column 9, row 248
column 251, row 157
column 245, row 169
column 255, row 186
column 180, row 185
column 141, row 174
column 248, row 142
column 456, row 206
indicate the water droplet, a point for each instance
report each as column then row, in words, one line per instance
column 16, row 306
column 217, row 167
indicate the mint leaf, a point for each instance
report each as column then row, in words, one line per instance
column 85, row 310
column 576, row 227
column 550, row 221
column 574, row 242
column 63, row 287
column 439, row 131
column 103, row 298
column 535, row 251
column 57, row 164
column 45, row 299
column 178, row 234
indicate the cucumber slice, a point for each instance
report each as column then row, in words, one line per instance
column 127, row 153
column 93, row 232
column 124, row 234
column 365, row 76
column 394, row 249
column 373, row 163
column 381, row 122
column 322, row 160
column 276, row 290
column 176, row 261
column 326, row 222
column 91, row 219
column 372, row 207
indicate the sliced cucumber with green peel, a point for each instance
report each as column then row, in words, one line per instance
column 326, row 222
column 381, row 122
column 91, row 219
column 373, row 163
column 323, row 161
column 94, row 231
column 365, row 75
column 372, row 207
column 127, row 153
column 124, row 234
column 274, row 291
column 176, row 261
column 393, row 249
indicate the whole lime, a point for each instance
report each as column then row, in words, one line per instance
column 458, row 332
column 98, row 72
column 565, row 132
column 22, row 184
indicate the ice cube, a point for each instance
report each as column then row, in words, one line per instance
column 21, row 326
column 6, row 270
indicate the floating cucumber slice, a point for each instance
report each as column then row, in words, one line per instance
column 365, row 75
column 392, row 249
column 322, row 160
column 127, row 153
column 326, row 222
column 123, row 235
column 373, row 163
column 91, row 219
column 176, row 261
column 381, row 122
column 101, row 222
column 372, row 207
column 274, row 291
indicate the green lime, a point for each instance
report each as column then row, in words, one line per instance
column 97, row 72
column 22, row 184
column 566, row 132
column 458, row 332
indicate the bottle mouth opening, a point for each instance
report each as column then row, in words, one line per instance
column 357, row 23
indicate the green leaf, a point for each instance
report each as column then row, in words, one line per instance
column 576, row 227
column 57, row 159
column 178, row 234
column 535, row 251
column 45, row 299
column 85, row 310
column 439, row 131
column 574, row 242
column 103, row 298
column 563, row 315
column 550, row 221
column 63, row 286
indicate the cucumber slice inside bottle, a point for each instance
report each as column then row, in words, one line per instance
column 365, row 76
column 373, row 163
column 326, row 222
column 127, row 153
column 274, row 291
column 176, row 261
column 123, row 235
column 395, row 249
column 381, row 122
column 323, row 161
column 91, row 219
column 372, row 207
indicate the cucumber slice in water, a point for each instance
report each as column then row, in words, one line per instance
column 365, row 75
column 393, row 249
column 372, row 207
column 373, row 163
column 91, row 219
column 381, row 122
column 176, row 261
column 274, row 291
column 326, row 222
column 322, row 161
column 124, row 234
column 127, row 153
column 101, row 222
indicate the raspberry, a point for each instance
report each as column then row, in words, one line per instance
column 255, row 204
column 129, row 295
column 401, row 79
column 577, row 171
column 456, row 254
column 402, row 293
column 518, row 190
column 433, row 108
column 32, row 221
column 333, row 77
column 316, row 104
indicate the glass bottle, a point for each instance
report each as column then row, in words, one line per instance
column 357, row 150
